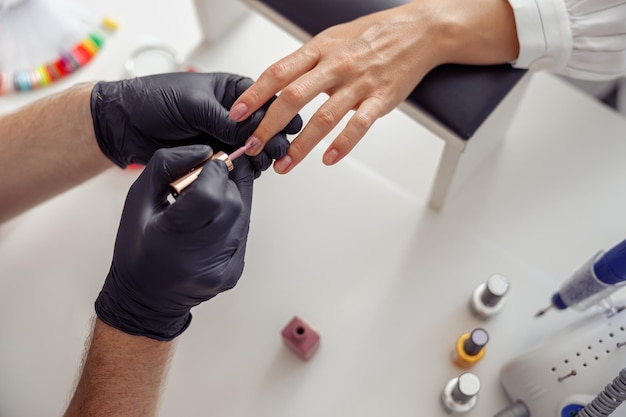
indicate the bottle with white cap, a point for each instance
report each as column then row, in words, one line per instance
column 489, row 297
column 461, row 393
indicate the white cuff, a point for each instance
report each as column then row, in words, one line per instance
column 544, row 34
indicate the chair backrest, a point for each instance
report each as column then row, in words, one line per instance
column 460, row 97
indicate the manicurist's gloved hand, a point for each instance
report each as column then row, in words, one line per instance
column 133, row 118
column 170, row 258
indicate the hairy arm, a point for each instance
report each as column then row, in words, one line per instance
column 47, row 148
column 122, row 375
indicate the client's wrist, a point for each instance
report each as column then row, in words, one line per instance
column 480, row 32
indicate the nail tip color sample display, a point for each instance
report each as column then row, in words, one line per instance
column 67, row 62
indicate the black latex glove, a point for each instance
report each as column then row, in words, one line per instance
column 170, row 258
column 133, row 118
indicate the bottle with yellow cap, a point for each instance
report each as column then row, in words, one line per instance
column 470, row 348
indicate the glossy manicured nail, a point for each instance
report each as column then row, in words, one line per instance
column 237, row 112
column 331, row 157
column 252, row 144
column 283, row 164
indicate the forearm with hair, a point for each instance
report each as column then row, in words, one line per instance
column 47, row 148
column 122, row 375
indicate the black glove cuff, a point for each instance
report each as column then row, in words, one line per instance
column 138, row 320
column 100, row 111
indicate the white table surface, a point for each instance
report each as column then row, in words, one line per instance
column 352, row 249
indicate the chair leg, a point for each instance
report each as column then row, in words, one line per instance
column 459, row 161
column 217, row 17
column 450, row 158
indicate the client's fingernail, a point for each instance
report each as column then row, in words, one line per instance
column 331, row 157
column 252, row 144
column 237, row 112
column 283, row 164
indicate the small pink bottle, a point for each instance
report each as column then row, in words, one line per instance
column 301, row 338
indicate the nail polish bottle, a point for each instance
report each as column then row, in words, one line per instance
column 301, row 338
column 461, row 393
column 470, row 348
column 489, row 297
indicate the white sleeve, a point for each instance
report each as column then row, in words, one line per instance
column 583, row 39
